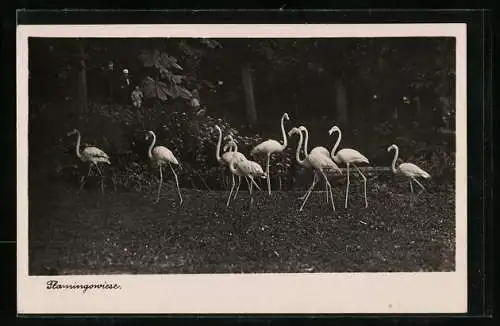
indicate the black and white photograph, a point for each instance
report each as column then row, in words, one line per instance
column 239, row 161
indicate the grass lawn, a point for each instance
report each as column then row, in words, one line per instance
column 86, row 233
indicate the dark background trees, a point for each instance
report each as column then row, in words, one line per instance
column 378, row 90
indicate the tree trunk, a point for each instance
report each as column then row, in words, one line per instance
column 395, row 114
column 341, row 101
column 246, row 76
column 418, row 105
column 82, row 95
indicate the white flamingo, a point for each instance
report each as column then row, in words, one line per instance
column 408, row 170
column 270, row 147
column 232, row 148
column 319, row 149
column 348, row 156
column 227, row 148
column 161, row 155
column 92, row 155
column 320, row 162
column 248, row 169
column 225, row 158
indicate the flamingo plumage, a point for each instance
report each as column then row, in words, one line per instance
column 245, row 168
column 408, row 170
column 348, row 156
column 232, row 148
column 91, row 155
column 320, row 162
column 270, row 147
column 226, row 157
column 161, row 155
column 318, row 149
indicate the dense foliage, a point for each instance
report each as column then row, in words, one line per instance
column 393, row 95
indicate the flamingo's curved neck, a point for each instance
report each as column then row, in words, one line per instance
column 217, row 150
column 78, row 140
column 306, row 141
column 234, row 146
column 150, row 154
column 285, row 141
column 395, row 158
column 334, row 149
column 297, row 154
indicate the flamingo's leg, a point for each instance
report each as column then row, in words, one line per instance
column 176, row 182
column 364, row 181
column 308, row 192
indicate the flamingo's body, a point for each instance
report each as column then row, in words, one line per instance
column 408, row 170
column 92, row 155
column 412, row 171
column 348, row 156
column 248, row 168
column 245, row 168
column 319, row 162
column 161, row 156
column 270, row 147
column 229, row 154
column 318, row 150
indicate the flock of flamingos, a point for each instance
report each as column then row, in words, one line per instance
column 319, row 159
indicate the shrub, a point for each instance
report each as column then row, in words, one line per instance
column 120, row 132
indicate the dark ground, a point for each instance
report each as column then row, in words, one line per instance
column 87, row 233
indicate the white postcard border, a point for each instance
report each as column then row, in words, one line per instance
column 444, row 292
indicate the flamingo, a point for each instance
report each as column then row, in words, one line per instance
column 408, row 170
column 91, row 154
column 225, row 159
column 348, row 156
column 229, row 138
column 320, row 149
column 270, row 147
column 248, row 169
column 161, row 155
column 233, row 153
column 305, row 163
column 319, row 161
